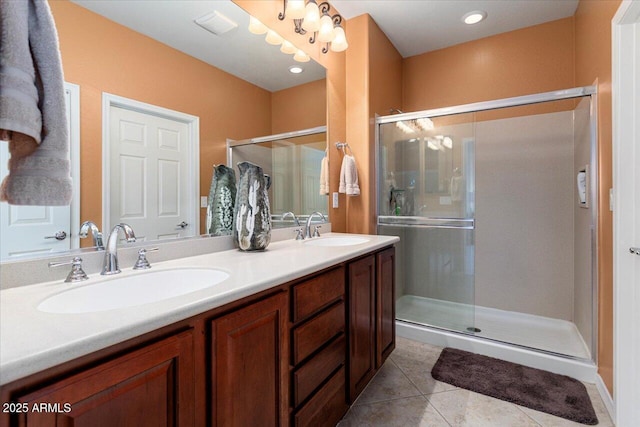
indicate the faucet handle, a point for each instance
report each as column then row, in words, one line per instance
column 299, row 234
column 316, row 233
column 76, row 274
column 143, row 263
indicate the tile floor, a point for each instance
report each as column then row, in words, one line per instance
column 403, row 394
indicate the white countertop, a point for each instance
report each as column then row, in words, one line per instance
column 32, row 341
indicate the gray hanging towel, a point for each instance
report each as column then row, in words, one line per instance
column 32, row 107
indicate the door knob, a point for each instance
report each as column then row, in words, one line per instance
column 60, row 235
column 183, row 225
column 634, row 251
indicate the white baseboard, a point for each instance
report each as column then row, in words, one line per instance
column 606, row 397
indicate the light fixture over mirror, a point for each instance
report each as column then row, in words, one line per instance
column 317, row 20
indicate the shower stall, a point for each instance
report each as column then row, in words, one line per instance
column 495, row 207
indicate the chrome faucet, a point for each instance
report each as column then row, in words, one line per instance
column 291, row 214
column 307, row 232
column 110, row 263
column 95, row 233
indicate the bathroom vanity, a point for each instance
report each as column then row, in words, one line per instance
column 290, row 338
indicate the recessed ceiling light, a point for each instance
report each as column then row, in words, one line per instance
column 474, row 17
column 296, row 69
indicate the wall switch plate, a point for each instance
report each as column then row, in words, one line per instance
column 203, row 201
column 611, row 201
column 335, row 200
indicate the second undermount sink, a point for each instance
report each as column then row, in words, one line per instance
column 133, row 290
column 337, row 241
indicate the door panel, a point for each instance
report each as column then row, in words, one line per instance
column 149, row 175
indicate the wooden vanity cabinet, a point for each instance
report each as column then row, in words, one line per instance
column 295, row 354
column 318, row 347
column 385, row 304
column 362, row 324
column 371, row 320
column 152, row 386
column 249, row 365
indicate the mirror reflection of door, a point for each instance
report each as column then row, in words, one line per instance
column 152, row 179
column 33, row 230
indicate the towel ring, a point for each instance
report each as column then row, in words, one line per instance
column 344, row 146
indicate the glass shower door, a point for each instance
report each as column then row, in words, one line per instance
column 426, row 197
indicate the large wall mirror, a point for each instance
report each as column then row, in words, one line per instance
column 224, row 85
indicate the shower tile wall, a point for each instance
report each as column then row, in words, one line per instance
column 525, row 214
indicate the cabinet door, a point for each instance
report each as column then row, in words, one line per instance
column 385, row 305
column 153, row 387
column 250, row 365
column 362, row 347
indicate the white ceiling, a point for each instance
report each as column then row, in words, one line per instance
column 413, row 26
column 418, row 26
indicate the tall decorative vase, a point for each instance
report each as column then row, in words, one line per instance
column 252, row 214
column 222, row 197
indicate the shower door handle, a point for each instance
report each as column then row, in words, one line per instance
column 634, row 251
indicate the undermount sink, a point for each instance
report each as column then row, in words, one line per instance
column 133, row 290
column 337, row 241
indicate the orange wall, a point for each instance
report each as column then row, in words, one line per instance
column 593, row 61
column 531, row 60
column 374, row 86
column 300, row 107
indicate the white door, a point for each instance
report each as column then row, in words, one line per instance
column 149, row 175
column 626, row 140
column 34, row 230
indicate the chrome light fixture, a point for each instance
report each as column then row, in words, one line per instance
column 316, row 19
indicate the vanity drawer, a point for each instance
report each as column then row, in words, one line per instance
column 327, row 407
column 315, row 371
column 312, row 295
column 311, row 335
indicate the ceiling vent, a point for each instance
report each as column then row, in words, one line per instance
column 216, row 23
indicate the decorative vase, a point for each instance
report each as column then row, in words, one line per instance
column 222, row 197
column 252, row 214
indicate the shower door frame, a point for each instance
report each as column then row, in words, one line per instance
column 559, row 95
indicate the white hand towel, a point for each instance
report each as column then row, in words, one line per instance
column 324, row 176
column 32, row 109
column 349, row 177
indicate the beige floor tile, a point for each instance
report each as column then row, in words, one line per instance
column 465, row 408
column 408, row 412
column 419, row 373
column 389, row 383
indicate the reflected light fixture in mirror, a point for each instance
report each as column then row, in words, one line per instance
column 257, row 27
column 300, row 56
column 273, row 38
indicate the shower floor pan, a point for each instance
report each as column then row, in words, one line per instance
column 526, row 330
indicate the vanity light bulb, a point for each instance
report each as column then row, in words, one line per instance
column 288, row 48
column 295, row 9
column 300, row 56
column 256, row 27
column 339, row 42
column 311, row 21
column 447, row 142
column 273, row 38
column 325, row 33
